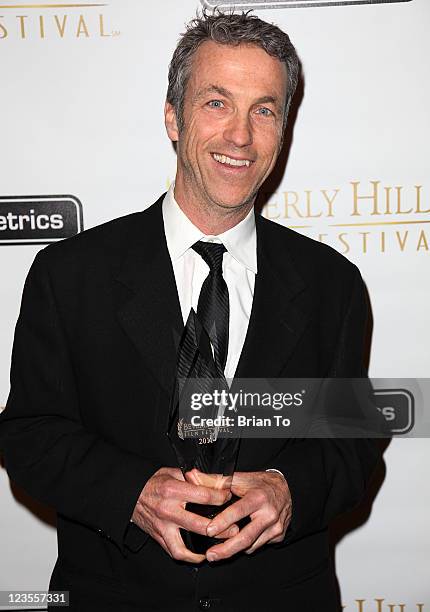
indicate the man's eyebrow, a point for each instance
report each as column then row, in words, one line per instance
column 213, row 89
column 267, row 100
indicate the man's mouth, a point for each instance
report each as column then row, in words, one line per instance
column 231, row 161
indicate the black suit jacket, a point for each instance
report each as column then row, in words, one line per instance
column 84, row 428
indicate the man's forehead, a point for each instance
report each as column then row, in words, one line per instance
column 220, row 68
column 210, row 51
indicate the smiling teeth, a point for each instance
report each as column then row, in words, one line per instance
column 223, row 159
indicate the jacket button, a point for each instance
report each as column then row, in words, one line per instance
column 205, row 604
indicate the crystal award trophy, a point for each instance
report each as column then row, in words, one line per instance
column 205, row 457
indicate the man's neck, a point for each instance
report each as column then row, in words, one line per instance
column 210, row 218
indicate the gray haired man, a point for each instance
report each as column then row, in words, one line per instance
column 94, row 359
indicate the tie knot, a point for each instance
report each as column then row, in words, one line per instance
column 212, row 253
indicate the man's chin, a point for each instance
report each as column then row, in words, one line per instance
column 233, row 201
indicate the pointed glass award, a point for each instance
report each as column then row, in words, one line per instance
column 204, row 456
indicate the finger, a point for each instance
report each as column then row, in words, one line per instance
column 242, row 541
column 244, row 481
column 213, row 481
column 230, row 516
column 171, row 489
column 228, row 533
column 190, row 521
column 156, row 532
column 205, row 495
column 176, row 547
column 275, row 532
column 159, row 538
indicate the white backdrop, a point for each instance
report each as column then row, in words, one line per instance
column 82, row 113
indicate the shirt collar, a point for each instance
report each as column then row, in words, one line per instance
column 240, row 240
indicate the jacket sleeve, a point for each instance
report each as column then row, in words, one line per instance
column 327, row 477
column 46, row 449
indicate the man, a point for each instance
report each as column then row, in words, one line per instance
column 95, row 349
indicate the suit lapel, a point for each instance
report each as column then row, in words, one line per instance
column 276, row 323
column 151, row 315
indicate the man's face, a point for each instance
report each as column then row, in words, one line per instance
column 233, row 119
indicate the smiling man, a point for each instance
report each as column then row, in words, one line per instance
column 230, row 131
column 95, row 351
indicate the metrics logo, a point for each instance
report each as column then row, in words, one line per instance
column 269, row 4
column 397, row 406
column 39, row 219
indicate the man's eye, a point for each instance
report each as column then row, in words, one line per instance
column 215, row 104
column 266, row 112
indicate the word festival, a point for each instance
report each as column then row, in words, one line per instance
column 73, row 25
column 364, row 217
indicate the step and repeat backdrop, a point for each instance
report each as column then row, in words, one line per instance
column 82, row 89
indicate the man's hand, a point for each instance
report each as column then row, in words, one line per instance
column 265, row 498
column 160, row 511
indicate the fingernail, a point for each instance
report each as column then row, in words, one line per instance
column 211, row 556
column 211, row 530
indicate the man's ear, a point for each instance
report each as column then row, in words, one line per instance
column 170, row 122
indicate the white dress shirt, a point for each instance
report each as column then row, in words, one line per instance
column 239, row 270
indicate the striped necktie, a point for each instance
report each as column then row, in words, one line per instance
column 213, row 304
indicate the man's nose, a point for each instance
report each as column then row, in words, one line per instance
column 239, row 131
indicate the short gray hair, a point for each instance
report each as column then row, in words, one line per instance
column 228, row 29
